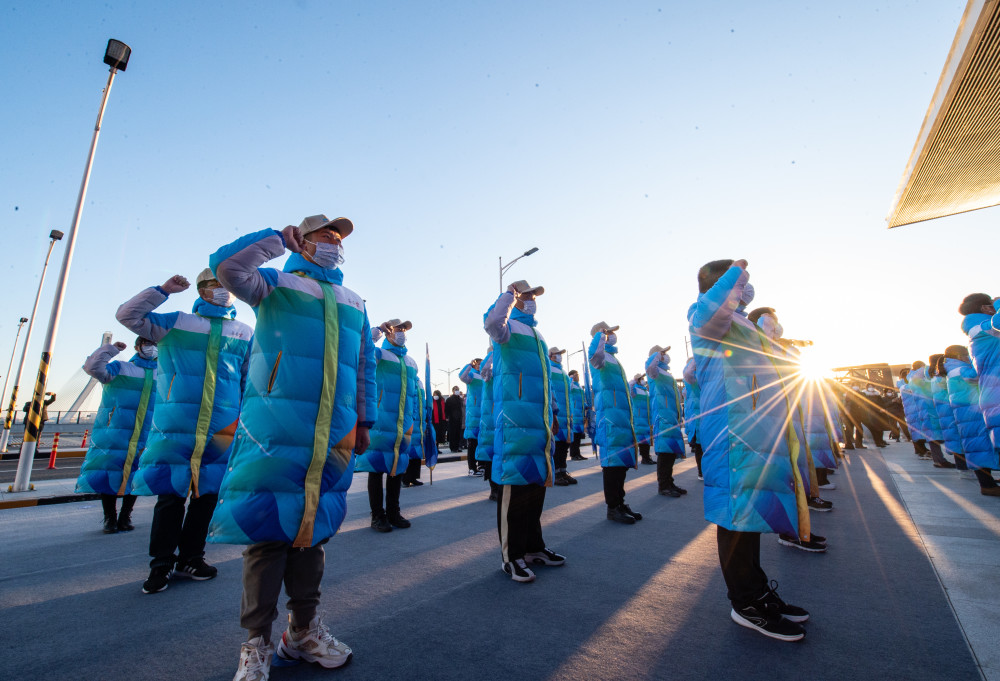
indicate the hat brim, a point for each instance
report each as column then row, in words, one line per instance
column 556, row 352
column 341, row 226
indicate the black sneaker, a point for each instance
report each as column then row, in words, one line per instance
column 380, row 522
column 578, row 458
column 669, row 492
column 110, row 525
column 767, row 619
column 619, row 515
column 822, row 505
column 648, row 461
column 811, row 546
column 818, row 538
column 157, row 580
column 680, row 490
column 195, row 568
column 627, row 509
column 560, row 480
column 415, row 483
column 792, row 613
column 397, row 520
column 572, row 480
column 518, row 571
column 125, row 523
column 545, row 557
column 494, row 496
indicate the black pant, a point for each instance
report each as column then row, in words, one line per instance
column 392, row 485
column 739, row 556
column 960, row 462
column 412, row 471
column 110, row 501
column 173, row 530
column 936, row 453
column 614, row 485
column 559, row 456
column 441, row 431
column 665, row 469
column 488, row 475
column 920, row 447
column 519, row 520
column 822, row 475
column 876, row 431
column 470, row 456
column 455, row 435
column 644, row 451
column 696, row 448
column 574, row 446
column 985, row 478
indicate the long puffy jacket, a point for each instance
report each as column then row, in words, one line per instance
column 615, row 435
column 484, row 448
column 562, row 397
column 946, row 417
column 202, row 368
column 984, row 344
column 576, row 407
column 818, row 418
column 786, row 360
column 522, row 397
column 963, row 392
column 692, row 401
column 640, row 411
column 473, row 400
column 311, row 384
column 923, row 398
column 122, row 421
column 750, row 462
column 397, row 411
column 910, row 409
column 664, row 407
column 416, row 448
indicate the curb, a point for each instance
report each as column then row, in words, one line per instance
column 48, row 501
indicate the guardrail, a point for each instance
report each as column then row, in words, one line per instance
column 62, row 418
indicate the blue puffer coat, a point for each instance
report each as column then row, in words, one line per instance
column 484, row 448
column 692, row 401
column 311, row 385
column 561, row 397
column 963, row 392
column 416, row 449
column 910, row 409
column 202, row 368
column 576, row 406
column 473, row 400
column 397, row 410
column 818, row 419
column 640, row 411
column 751, row 452
column 946, row 417
column 615, row 435
column 522, row 397
column 984, row 337
column 920, row 384
column 665, row 405
column 122, row 421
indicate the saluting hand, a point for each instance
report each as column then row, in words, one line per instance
column 742, row 264
column 294, row 239
column 175, row 284
column 121, row 346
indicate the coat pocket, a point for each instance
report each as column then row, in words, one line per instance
column 274, row 372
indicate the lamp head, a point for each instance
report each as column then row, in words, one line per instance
column 24, row 320
column 55, row 235
column 117, row 54
column 533, row 250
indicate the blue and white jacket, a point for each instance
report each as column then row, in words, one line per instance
column 963, row 392
column 397, row 411
column 665, row 403
column 615, row 436
column 984, row 344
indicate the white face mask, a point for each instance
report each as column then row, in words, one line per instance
column 529, row 306
column 455, row 391
column 611, row 339
column 148, row 351
column 399, row 338
column 221, row 297
column 328, row 256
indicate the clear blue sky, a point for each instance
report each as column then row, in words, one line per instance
column 631, row 142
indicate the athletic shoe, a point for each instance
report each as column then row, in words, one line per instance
column 700, row 477
column 397, row 520
column 518, row 571
column 110, row 525
column 255, row 660
column 195, row 568
column 380, row 522
column 415, row 483
column 494, row 496
column 473, row 473
column 544, row 557
column 990, row 491
column 792, row 613
column 669, row 492
column 315, row 644
column 572, row 480
column 478, row 472
column 578, row 458
column 404, row 484
column 822, row 505
column 819, row 539
column 619, row 515
column 767, row 619
column 811, row 546
column 560, row 480
column 829, row 485
column 125, row 523
column 157, row 580
column 648, row 461
column 637, row 516
column 679, row 490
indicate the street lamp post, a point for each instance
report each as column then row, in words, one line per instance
column 54, row 236
column 20, row 324
column 504, row 268
column 116, row 56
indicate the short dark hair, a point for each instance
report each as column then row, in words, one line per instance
column 972, row 302
column 573, row 372
column 917, row 364
column 904, row 372
column 934, row 362
column 956, row 351
column 710, row 273
column 760, row 312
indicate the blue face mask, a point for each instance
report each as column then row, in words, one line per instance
column 529, row 307
column 328, row 256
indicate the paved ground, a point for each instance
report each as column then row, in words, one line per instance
column 632, row 602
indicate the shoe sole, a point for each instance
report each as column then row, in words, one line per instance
column 156, row 591
column 828, row 487
column 188, row 575
column 821, row 510
column 770, row 634
column 522, row 580
column 630, row 521
column 800, row 547
column 540, row 560
column 284, row 654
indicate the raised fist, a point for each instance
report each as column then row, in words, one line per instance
column 175, row 284
column 294, row 239
column 741, row 264
column 121, row 346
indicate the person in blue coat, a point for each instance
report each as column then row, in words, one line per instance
column 920, row 382
column 487, row 426
column 982, row 324
column 641, row 417
column 951, row 441
column 576, row 416
column 202, row 368
column 910, row 414
column 470, row 376
column 665, row 417
column 307, row 412
column 752, row 477
column 963, row 393
column 411, row 478
column 397, row 411
column 617, row 444
column 525, row 415
column 561, row 394
column 692, row 405
column 120, row 428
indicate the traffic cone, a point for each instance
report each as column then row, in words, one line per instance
column 55, row 450
column 85, row 434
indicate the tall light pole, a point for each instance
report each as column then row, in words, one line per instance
column 6, row 379
column 54, row 236
column 449, row 372
column 504, row 268
column 116, row 56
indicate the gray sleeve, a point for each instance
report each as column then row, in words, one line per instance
column 496, row 320
column 97, row 364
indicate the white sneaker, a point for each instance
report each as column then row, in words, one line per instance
column 255, row 660
column 829, row 485
column 315, row 644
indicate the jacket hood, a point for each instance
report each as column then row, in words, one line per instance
column 143, row 362
column 297, row 263
column 204, row 308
